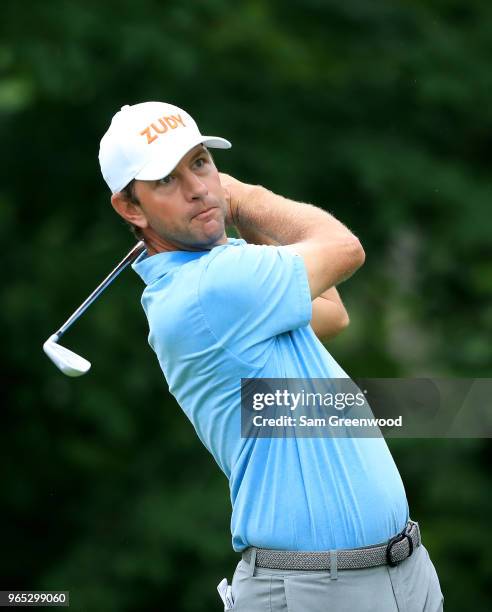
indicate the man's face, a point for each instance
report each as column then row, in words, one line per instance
column 186, row 209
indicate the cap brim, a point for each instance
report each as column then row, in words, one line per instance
column 160, row 167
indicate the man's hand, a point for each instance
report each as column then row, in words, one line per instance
column 234, row 191
column 242, row 196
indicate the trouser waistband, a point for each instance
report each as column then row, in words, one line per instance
column 397, row 549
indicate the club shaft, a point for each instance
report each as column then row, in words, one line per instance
column 132, row 255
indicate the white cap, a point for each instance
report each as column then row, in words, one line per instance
column 147, row 141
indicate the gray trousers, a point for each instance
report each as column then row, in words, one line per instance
column 411, row 586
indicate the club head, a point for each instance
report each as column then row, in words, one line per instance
column 65, row 360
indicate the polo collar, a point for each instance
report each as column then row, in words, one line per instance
column 150, row 268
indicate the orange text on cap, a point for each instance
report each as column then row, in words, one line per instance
column 161, row 126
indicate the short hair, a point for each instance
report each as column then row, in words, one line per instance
column 129, row 193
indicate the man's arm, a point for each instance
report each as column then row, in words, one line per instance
column 329, row 315
column 263, row 217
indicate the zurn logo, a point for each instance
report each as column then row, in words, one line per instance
column 161, row 126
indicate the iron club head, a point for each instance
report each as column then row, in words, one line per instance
column 65, row 360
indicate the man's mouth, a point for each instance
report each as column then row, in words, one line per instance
column 205, row 213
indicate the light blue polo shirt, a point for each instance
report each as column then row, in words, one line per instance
column 243, row 311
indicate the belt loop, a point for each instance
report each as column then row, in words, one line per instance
column 252, row 562
column 333, row 565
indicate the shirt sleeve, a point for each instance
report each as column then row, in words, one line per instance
column 249, row 294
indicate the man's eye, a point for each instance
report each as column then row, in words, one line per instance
column 200, row 162
column 165, row 180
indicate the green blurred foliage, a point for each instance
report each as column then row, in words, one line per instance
column 378, row 111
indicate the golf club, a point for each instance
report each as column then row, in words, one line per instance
column 65, row 360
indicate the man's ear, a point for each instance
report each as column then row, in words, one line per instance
column 130, row 211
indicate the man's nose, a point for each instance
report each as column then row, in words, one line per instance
column 195, row 188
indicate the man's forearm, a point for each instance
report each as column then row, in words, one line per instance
column 264, row 217
column 254, row 235
column 329, row 316
column 331, row 253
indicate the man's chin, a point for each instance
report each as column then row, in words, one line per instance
column 212, row 242
column 211, row 233
column 201, row 236
column 205, row 241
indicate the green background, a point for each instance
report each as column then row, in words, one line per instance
column 379, row 111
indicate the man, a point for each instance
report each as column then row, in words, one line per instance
column 223, row 309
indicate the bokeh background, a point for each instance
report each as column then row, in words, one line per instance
column 378, row 111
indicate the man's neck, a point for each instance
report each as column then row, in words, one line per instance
column 155, row 244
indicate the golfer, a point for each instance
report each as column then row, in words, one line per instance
column 321, row 523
